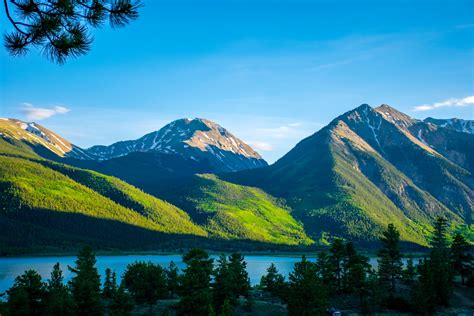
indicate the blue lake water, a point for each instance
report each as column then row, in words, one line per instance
column 12, row 267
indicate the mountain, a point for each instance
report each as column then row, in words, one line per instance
column 455, row 124
column 231, row 211
column 197, row 139
column 40, row 138
column 51, row 206
column 370, row 167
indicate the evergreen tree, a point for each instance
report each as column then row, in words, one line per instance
column 325, row 270
column 27, row 296
column 145, row 282
column 274, row 283
column 110, row 284
column 195, row 289
column 227, row 309
column 239, row 275
column 61, row 28
column 424, row 292
column 172, row 280
column 307, row 295
column 409, row 273
column 59, row 299
column 439, row 264
column 390, row 257
column 222, row 286
column 85, row 285
column 121, row 304
column 460, row 256
column 337, row 251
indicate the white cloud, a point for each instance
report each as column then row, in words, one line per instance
column 287, row 131
column 36, row 113
column 467, row 101
column 258, row 145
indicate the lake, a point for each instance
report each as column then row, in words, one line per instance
column 12, row 267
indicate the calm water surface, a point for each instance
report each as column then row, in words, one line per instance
column 12, row 267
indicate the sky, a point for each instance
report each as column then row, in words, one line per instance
column 271, row 72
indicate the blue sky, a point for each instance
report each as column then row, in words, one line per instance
column 272, row 72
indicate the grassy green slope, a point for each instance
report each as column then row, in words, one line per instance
column 30, row 184
column 232, row 211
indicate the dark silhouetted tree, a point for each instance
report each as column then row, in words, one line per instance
column 60, row 28
column 390, row 257
column 307, row 295
column 145, row 282
column 440, row 265
column 121, row 304
column 85, row 285
column 337, row 250
column 409, row 273
column 239, row 275
column 274, row 283
column 460, row 256
column 172, row 280
column 195, row 289
column 222, row 286
column 325, row 270
column 59, row 300
column 27, row 296
column 110, row 284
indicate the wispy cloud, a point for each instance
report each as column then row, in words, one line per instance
column 467, row 101
column 38, row 114
column 263, row 146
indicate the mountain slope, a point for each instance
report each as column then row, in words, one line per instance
column 455, row 124
column 197, row 139
column 50, row 205
column 362, row 171
column 232, row 211
column 47, row 204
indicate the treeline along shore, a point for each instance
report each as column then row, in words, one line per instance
column 341, row 280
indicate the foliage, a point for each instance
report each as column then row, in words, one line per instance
column 390, row 257
column 195, row 290
column 145, row 281
column 307, row 295
column 461, row 257
column 59, row 300
column 172, row 278
column 27, row 295
column 85, row 285
column 110, row 284
column 61, row 28
column 274, row 283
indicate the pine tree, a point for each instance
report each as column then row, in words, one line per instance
column 61, row 28
column 59, row 299
column 390, row 258
column 424, row 292
column 172, row 281
column 222, row 286
column 145, row 282
column 460, row 256
column 441, row 268
column 409, row 273
column 85, row 285
column 239, row 275
column 307, row 295
column 110, row 284
column 27, row 296
column 121, row 304
column 337, row 251
column 274, row 283
column 325, row 270
column 195, row 289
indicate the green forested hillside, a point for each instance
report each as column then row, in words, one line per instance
column 232, row 211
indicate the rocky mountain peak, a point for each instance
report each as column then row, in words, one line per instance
column 396, row 117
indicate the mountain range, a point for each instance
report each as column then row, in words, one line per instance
column 193, row 182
